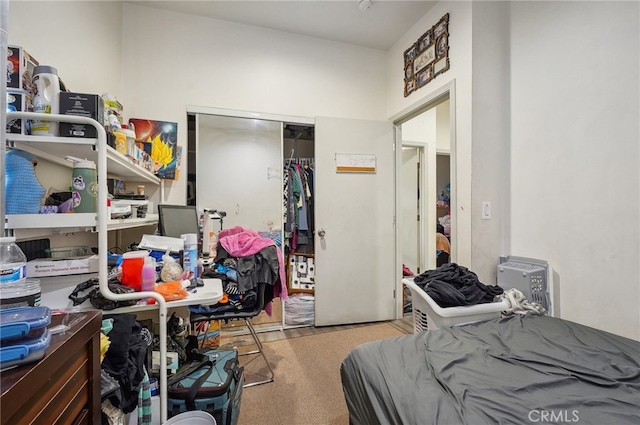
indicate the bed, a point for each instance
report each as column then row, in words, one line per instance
column 515, row 370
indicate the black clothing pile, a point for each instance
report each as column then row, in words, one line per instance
column 451, row 285
column 240, row 278
column 125, row 360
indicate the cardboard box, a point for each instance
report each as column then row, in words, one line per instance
column 84, row 105
column 20, row 66
column 18, row 100
column 43, row 267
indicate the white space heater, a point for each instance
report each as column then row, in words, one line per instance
column 534, row 278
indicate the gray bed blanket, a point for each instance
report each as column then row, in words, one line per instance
column 518, row 370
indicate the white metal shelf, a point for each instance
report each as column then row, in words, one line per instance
column 86, row 221
column 70, row 222
column 128, row 223
column 55, row 149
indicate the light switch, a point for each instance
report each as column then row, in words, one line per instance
column 486, row 210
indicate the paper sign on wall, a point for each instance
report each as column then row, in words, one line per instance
column 355, row 163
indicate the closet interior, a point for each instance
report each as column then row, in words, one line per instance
column 299, row 222
column 261, row 174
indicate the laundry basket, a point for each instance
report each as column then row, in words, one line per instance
column 428, row 315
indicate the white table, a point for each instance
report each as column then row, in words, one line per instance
column 208, row 294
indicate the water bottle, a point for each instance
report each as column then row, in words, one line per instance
column 148, row 277
column 190, row 253
column 46, row 99
column 13, row 262
column 84, row 185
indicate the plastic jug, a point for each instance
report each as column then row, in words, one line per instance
column 13, row 262
column 84, row 185
column 46, row 99
column 132, row 263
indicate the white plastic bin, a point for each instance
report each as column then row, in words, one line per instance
column 195, row 417
column 299, row 309
column 428, row 315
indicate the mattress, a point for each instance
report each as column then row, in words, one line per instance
column 516, row 370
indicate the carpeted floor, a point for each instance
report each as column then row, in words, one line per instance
column 307, row 387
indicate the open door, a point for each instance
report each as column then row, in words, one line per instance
column 355, row 223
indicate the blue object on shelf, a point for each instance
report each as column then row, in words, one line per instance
column 23, row 191
column 24, row 351
column 23, row 322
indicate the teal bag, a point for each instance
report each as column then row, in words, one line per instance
column 213, row 382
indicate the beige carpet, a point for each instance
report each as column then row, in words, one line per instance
column 307, row 387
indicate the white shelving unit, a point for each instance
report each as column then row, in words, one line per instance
column 109, row 163
column 76, row 221
column 55, row 149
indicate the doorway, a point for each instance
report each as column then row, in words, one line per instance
column 426, row 169
column 426, row 184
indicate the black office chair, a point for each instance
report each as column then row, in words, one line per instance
column 245, row 315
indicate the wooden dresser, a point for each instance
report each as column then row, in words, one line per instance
column 63, row 387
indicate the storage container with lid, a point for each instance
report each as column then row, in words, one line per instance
column 21, row 293
column 23, row 323
column 24, row 351
column 84, row 185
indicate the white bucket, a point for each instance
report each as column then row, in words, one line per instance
column 194, row 417
column 23, row 293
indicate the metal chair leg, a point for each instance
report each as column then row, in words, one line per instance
column 259, row 350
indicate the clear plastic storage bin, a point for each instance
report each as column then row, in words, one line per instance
column 428, row 315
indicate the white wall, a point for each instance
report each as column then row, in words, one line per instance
column 171, row 60
column 443, row 130
column 234, row 158
column 422, row 128
column 575, row 154
column 490, row 133
column 460, row 25
column 81, row 39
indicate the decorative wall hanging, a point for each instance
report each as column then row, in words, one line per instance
column 160, row 140
column 427, row 57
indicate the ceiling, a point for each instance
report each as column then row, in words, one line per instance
column 378, row 27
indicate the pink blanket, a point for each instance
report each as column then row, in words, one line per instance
column 241, row 242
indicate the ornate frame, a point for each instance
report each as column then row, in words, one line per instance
column 428, row 57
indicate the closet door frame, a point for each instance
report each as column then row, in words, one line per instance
column 290, row 119
column 283, row 119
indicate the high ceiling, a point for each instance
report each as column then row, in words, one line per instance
column 378, row 27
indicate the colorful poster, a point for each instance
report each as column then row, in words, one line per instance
column 160, row 140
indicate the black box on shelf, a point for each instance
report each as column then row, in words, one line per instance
column 84, row 105
column 116, row 187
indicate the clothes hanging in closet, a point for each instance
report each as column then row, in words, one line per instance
column 298, row 204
